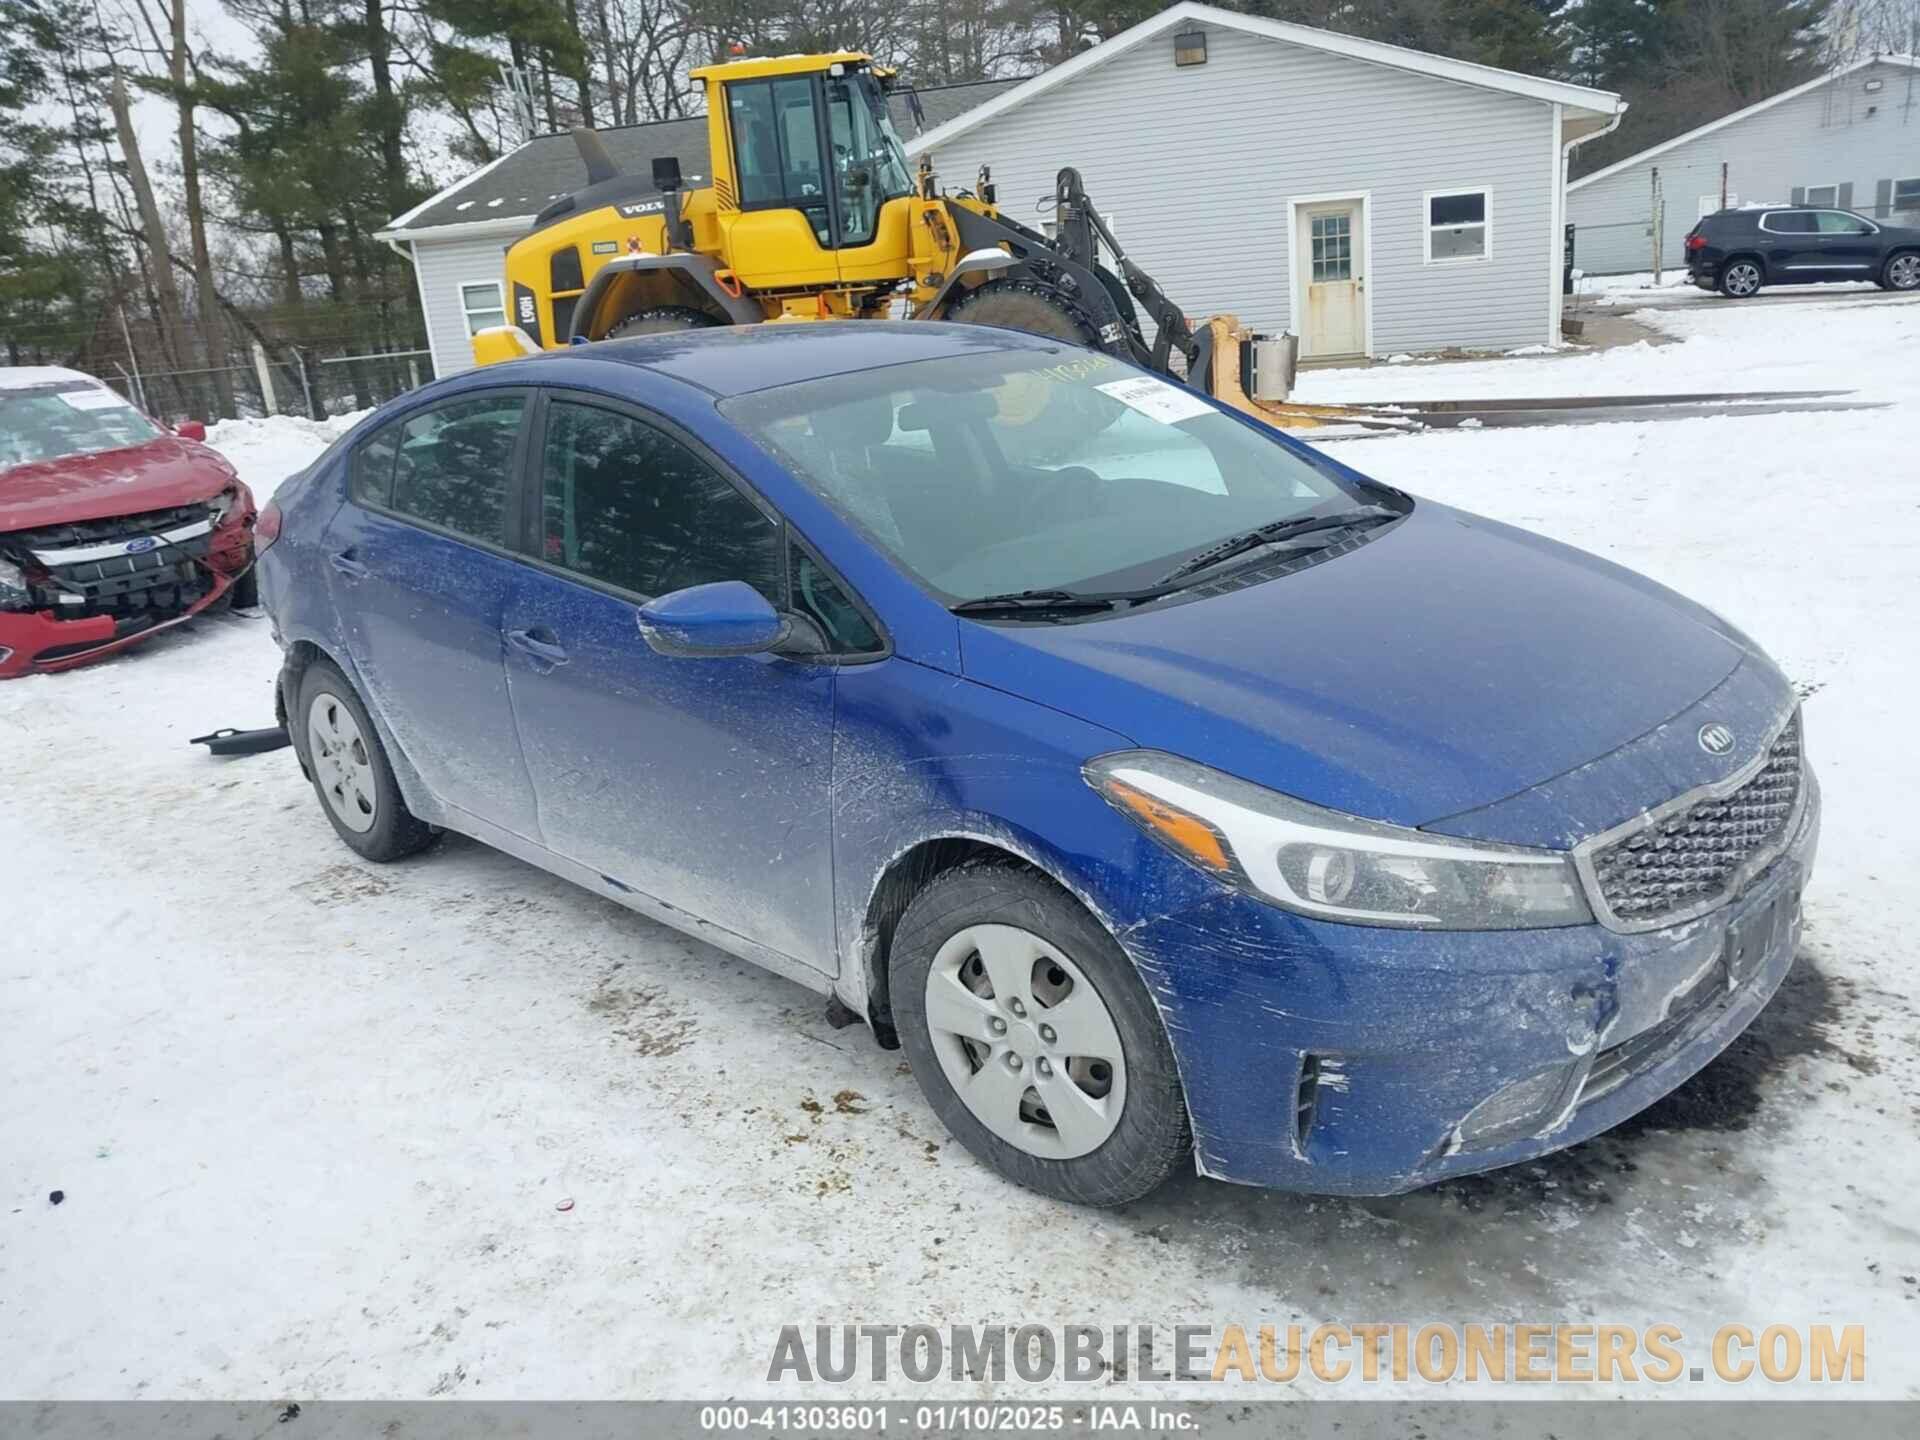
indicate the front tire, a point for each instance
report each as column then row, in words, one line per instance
column 1741, row 279
column 1033, row 1038
column 1902, row 271
column 350, row 771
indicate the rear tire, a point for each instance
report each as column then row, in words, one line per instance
column 660, row 320
column 348, row 766
column 941, row 977
column 1740, row 279
column 244, row 593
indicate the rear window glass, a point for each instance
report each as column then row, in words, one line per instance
column 1789, row 222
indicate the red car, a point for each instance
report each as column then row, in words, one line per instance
column 111, row 527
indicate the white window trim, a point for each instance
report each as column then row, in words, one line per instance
column 1427, row 227
column 460, row 288
column 1893, row 192
column 1833, row 204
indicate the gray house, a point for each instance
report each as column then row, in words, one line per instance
column 1850, row 139
column 1369, row 198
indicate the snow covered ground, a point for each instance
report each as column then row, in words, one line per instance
column 316, row 1120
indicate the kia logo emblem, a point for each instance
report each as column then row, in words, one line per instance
column 1716, row 739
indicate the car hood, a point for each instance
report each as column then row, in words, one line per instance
column 162, row 473
column 1448, row 664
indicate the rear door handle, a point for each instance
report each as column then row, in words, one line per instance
column 530, row 643
column 343, row 561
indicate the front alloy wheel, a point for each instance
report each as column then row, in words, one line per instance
column 1740, row 279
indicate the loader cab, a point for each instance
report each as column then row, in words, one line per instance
column 806, row 163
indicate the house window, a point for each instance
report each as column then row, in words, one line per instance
column 482, row 305
column 1332, row 240
column 1906, row 194
column 1823, row 194
column 1458, row 227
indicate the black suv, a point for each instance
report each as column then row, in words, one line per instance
column 1738, row 251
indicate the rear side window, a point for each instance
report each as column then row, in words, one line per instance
column 625, row 503
column 1788, row 222
column 454, row 465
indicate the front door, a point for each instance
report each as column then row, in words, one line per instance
column 1330, row 260
column 701, row 782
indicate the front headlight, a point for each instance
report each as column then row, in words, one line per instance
column 13, row 586
column 1334, row 866
column 222, row 505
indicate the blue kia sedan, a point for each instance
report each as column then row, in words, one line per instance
column 1168, row 791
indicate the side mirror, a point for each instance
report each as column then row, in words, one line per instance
column 191, row 430
column 729, row 617
column 666, row 172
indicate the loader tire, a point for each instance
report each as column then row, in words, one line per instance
column 1050, row 431
column 660, row 320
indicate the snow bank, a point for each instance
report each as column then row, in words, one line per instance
column 268, row 450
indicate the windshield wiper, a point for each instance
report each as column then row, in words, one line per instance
column 1273, row 533
column 1018, row 601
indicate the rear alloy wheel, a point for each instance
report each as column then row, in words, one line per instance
column 1033, row 1038
column 1740, row 279
column 660, row 320
column 1903, row 271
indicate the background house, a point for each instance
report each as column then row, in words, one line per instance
column 1850, row 139
column 1369, row 198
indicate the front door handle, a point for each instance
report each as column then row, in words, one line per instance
column 538, row 645
column 343, row 561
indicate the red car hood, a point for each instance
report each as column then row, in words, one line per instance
column 155, row 476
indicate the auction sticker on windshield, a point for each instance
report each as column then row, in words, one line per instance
column 91, row 399
column 1156, row 399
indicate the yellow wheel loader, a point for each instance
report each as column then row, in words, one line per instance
column 812, row 212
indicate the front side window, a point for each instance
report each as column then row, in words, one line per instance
column 76, row 419
column 451, row 467
column 482, row 305
column 991, row 473
column 1839, row 222
column 625, row 503
column 1457, row 225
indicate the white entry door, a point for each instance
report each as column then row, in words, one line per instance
column 1331, row 250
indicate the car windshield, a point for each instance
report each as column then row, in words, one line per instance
column 51, row 423
column 995, row 473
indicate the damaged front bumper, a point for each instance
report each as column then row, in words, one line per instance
column 1352, row 1060
column 95, row 606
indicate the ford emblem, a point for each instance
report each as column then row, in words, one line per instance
column 147, row 542
column 1716, row 739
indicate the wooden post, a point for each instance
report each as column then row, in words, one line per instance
column 265, row 372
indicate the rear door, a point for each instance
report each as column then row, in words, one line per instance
column 1790, row 245
column 421, row 562
column 704, row 783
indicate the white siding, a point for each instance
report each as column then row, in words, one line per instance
column 1195, row 166
column 1836, row 134
column 442, row 267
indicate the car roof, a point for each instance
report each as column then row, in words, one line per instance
column 736, row 359
column 33, row 377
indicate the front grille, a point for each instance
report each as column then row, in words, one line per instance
column 1692, row 858
column 109, row 531
column 136, row 590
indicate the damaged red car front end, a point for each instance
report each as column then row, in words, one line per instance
column 111, row 528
